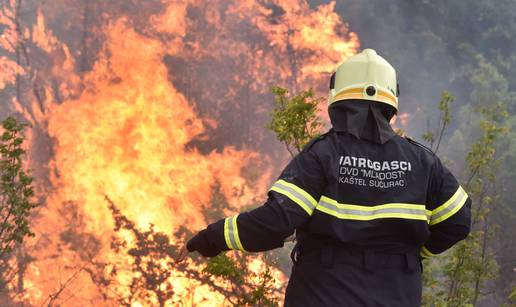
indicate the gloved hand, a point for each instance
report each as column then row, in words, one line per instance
column 201, row 243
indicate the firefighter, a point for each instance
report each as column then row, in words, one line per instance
column 365, row 203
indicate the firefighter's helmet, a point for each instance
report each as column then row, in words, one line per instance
column 365, row 75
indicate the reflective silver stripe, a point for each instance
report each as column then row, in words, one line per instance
column 295, row 194
column 231, row 233
column 357, row 212
column 450, row 207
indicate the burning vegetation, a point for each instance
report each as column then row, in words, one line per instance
column 144, row 117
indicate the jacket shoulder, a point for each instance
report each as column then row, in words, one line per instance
column 419, row 145
column 314, row 141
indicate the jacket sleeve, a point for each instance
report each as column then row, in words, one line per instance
column 449, row 212
column 291, row 201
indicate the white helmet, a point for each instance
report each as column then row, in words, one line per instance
column 365, row 75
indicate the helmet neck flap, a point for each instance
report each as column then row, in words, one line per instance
column 364, row 119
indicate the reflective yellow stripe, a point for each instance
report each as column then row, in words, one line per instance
column 425, row 253
column 343, row 96
column 358, row 93
column 387, row 95
column 450, row 207
column 296, row 194
column 366, row 213
column 231, row 233
column 293, row 198
column 352, row 91
column 226, row 233
column 235, row 233
column 299, row 190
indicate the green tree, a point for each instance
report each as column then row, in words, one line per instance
column 432, row 290
column 459, row 276
column 294, row 119
column 472, row 262
column 16, row 191
column 16, row 195
column 444, row 120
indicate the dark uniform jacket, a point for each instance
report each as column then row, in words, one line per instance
column 363, row 213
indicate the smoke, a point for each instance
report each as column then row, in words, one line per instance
column 72, row 67
column 431, row 44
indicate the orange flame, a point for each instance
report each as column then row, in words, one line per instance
column 123, row 129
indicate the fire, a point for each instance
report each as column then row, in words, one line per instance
column 401, row 121
column 126, row 137
column 130, row 129
column 133, row 129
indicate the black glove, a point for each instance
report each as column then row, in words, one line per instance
column 201, row 243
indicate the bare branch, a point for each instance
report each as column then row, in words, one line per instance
column 55, row 295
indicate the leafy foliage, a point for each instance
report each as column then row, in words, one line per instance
column 16, row 191
column 444, row 119
column 149, row 278
column 248, row 288
column 294, row 119
column 16, row 205
column 471, row 263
